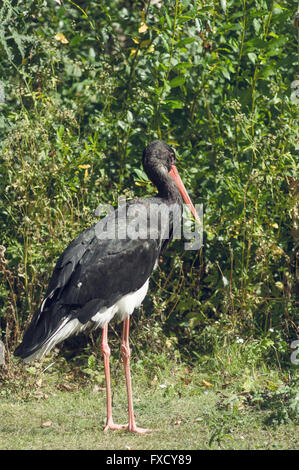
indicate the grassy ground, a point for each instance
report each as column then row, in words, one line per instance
column 64, row 408
column 73, row 420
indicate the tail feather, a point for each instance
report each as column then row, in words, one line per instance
column 45, row 331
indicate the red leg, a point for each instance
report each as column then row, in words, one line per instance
column 106, row 353
column 126, row 353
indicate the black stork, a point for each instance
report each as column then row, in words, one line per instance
column 98, row 277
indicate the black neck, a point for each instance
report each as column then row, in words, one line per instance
column 167, row 188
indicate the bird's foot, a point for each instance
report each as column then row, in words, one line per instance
column 114, row 427
column 134, row 428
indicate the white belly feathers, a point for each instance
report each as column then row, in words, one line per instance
column 122, row 308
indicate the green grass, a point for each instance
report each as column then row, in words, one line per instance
column 61, row 408
column 190, row 422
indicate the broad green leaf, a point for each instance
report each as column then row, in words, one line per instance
column 175, row 104
column 253, row 44
column 177, row 81
column 184, row 42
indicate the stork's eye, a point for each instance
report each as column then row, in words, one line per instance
column 172, row 158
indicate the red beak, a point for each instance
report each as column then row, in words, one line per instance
column 177, row 179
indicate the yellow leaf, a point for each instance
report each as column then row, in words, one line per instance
column 61, row 38
column 135, row 40
column 133, row 52
column 84, row 167
column 206, row 384
column 143, row 28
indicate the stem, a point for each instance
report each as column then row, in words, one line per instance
column 134, row 64
column 172, row 40
column 158, row 114
column 253, row 99
column 241, row 48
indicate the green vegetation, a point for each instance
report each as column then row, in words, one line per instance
column 84, row 86
column 59, row 404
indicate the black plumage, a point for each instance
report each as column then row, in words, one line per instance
column 93, row 273
column 105, row 272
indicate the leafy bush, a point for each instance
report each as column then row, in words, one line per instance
column 283, row 403
column 83, row 90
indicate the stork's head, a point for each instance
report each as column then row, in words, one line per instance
column 159, row 161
